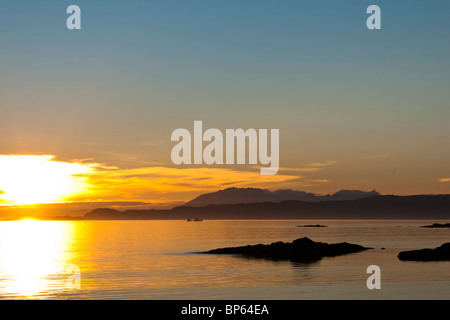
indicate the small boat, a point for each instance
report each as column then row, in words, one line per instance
column 196, row 219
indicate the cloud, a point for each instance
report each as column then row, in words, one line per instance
column 444, row 180
column 309, row 169
column 129, row 159
column 305, row 181
column 3, row 200
column 320, row 180
column 156, row 183
column 321, row 164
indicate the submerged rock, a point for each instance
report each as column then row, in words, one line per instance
column 312, row 226
column 300, row 250
column 438, row 225
column 441, row 253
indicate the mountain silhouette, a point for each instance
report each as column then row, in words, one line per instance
column 378, row 207
column 255, row 195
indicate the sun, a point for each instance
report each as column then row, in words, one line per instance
column 31, row 179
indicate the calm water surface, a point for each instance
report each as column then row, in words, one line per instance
column 158, row 260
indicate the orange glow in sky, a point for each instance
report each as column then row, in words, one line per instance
column 35, row 179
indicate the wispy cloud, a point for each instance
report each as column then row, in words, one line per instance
column 321, row 164
column 150, row 183
column 130, row 159
column 313, row 167
column 309, row 169
column 320, row 180
column 444, row 180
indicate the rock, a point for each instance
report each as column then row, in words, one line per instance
column 441, row 253
column 300, row 250
column 438, row 225
column 311, row 226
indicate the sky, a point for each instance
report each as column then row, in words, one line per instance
column 356, row 108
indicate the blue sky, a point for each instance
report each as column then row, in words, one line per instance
column 115, row 90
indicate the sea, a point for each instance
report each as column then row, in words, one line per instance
column 163, row 259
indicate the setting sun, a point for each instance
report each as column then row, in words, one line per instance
column 29, row 179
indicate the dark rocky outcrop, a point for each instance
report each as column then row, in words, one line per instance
column 312, row 226
column 300, row 250
column 438, row 225
column 441, row 253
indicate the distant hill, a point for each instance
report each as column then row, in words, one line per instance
column 379, row 207
column 255, row 195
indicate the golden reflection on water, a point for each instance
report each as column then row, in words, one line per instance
column 33, row 255
column 159, row 260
